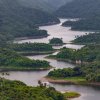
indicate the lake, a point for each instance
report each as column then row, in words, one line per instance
column 31, row 77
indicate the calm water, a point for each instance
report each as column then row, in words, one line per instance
column 31, row 77
column 58, row 31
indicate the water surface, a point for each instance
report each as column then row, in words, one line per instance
column 31, row 77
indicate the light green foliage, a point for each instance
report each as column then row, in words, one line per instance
column 16, row 90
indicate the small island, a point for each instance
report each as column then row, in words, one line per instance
column 56, row 41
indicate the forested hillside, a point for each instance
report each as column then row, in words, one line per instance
column 45, row 5
column 87, row 10
column 19, row 21
column 91, row 23
column 79, row 8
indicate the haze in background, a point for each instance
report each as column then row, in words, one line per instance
column 46, row 5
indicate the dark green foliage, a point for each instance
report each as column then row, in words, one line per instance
column 16, row 90
column 91, row 38
column 90, row 63
column 91, row 24
column 65, row 53
column 88, row 10
column 79, row 9
column 19, row 21
column 86, row 54
column 31, row 47
column 56, row 41
column 89, row 71
column 66, row 72
column 11, row 59
column 45, row 5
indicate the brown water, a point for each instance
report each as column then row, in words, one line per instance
column 31, row 77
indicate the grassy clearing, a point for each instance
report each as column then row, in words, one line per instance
column 76, row 80
column 71, row 94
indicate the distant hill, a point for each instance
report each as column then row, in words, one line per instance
column 79, row 8
column 87, row 10
column 17, row 20
column 45, row 5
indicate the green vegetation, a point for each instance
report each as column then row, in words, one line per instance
column 19, row 21
column 16, row 90
column 91, row 38
column 88, row 59
column 89, row 14
column 45, row 5
column 75, row 9
column 56, row 41
column 66, row 72
column 88, row 53
column 87, row 24
column 31, row 47
column 10, row 60
column 71, row 94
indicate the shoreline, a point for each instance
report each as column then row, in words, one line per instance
column 24, row 69
column 49, row 23
column 67, row 60
column 35, row 53
column 31, row 37
column 69, row 82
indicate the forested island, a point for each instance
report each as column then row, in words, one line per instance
column 10, row 60
column 56, row 41
column 31, row 48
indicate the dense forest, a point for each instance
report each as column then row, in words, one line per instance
column 45, row 5
column 87, row 24
column 89, row 60
column 56, row 41
column 91, row 38
column 80, row 72
column 19, row 21
column 10, row 60
column 88, row 53
column 16, row 90
column 87, row 10
column 30, row 47
column 79, row 9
